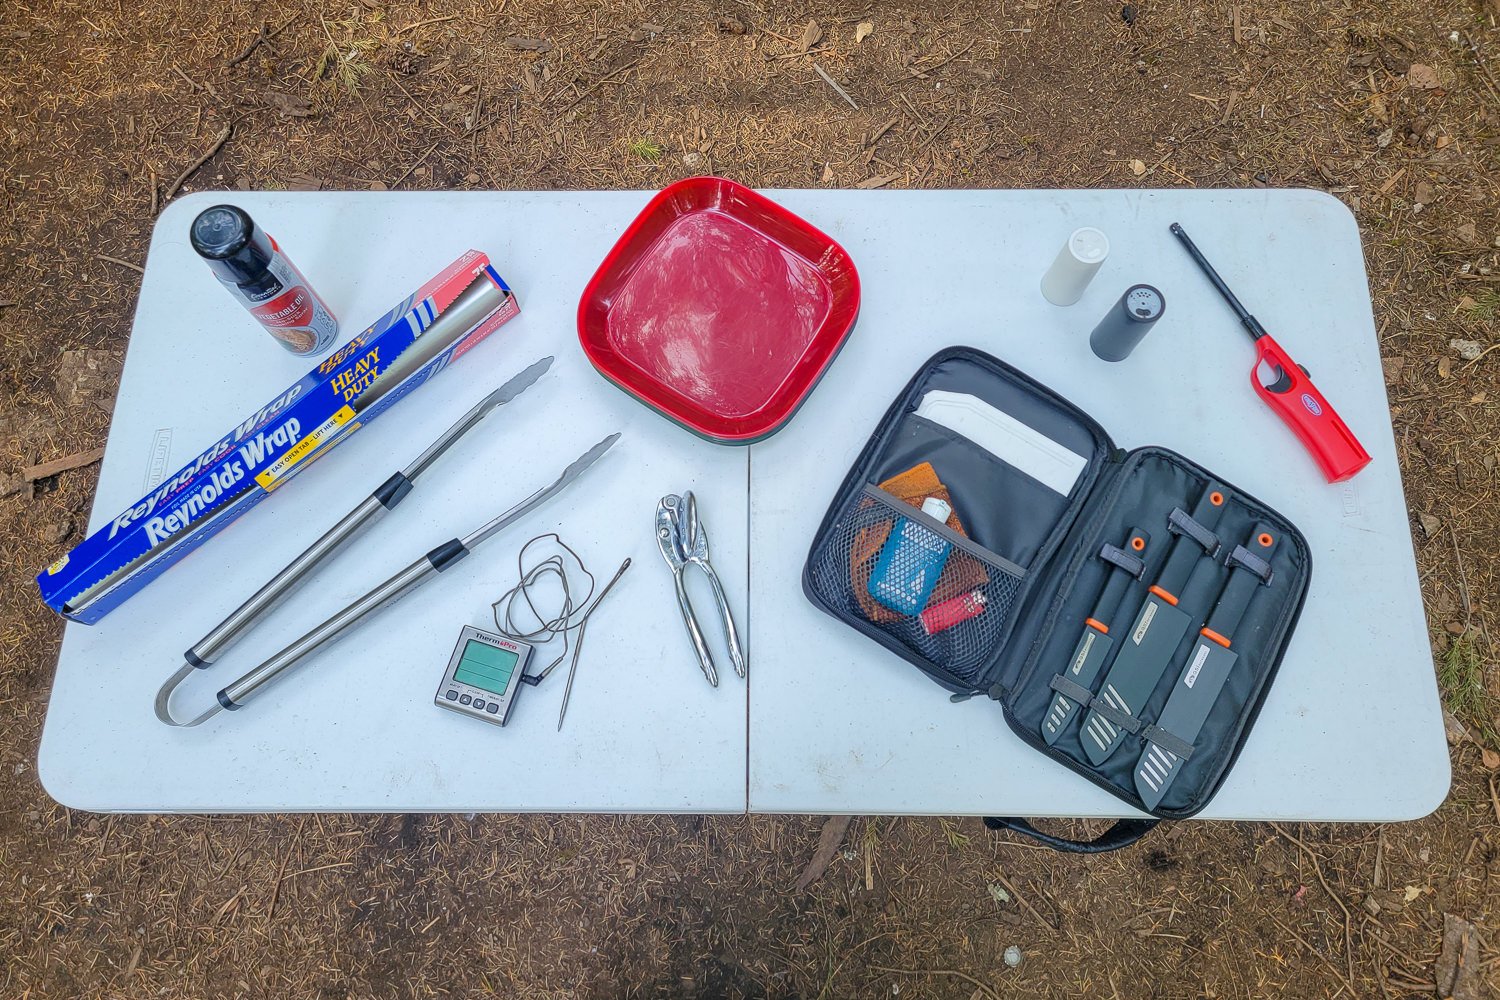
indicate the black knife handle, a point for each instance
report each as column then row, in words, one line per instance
column 1235, row 599
column 1136, row 543
column 1185, row 550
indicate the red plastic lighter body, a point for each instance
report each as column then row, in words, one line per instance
column 1311, row 417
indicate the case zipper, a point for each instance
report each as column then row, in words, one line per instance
column 995, row 692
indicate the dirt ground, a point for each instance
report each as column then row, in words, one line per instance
column 110, row 111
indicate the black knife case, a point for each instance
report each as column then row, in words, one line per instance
column 1034, row 554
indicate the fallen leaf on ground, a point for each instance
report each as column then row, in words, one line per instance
column 1412, row 892
column 528, row 44
column 1137, row 167
column 862, row 31
column 811, row 35
column 287, row 105
column 1422, row 77
column 1455, row 731
column 1445, row 367
column 1424, row 193
column 1430, row 524
column 1457, row 966
column 827, row 172
column 879, row 180
column 1490, row 758
column 834, row 828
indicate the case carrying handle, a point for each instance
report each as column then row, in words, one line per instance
column 1124, row 833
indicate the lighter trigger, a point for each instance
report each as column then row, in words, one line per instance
column 1281, row 383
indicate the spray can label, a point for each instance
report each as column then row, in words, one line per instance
column 289, row 309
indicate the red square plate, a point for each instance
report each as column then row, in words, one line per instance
column 719, row 308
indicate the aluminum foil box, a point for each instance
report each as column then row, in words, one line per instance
column 270, row 447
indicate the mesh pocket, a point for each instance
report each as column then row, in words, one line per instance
column 884, row 563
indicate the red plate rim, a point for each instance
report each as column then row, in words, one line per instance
column 804, row 374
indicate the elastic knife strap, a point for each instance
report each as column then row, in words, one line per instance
column 1180, row 522
column 1168, row 740
column 1070, row 688
column 1127, row 561
column 1243, row 558
column 1124, row 720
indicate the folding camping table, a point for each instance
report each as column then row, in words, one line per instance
column 828, row 721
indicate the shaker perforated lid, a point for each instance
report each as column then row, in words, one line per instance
column 1075, row 266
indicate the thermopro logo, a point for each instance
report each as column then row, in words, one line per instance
column 1312, row 405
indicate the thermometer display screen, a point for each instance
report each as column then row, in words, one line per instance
column 485, row 667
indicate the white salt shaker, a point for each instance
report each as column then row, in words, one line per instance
column 1076, row 264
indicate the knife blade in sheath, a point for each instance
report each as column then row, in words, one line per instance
column 1094, row 645
column 1157, row 629
column 1205, row 672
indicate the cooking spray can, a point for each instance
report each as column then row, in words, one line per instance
column 247, row 262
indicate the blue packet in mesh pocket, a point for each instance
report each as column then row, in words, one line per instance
column 911, row 561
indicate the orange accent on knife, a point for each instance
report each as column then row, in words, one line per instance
column 1099, row 626
column 1209, row 633
column 1164, row 595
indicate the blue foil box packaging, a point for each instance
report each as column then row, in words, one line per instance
column 910, row 562
column 267, row 449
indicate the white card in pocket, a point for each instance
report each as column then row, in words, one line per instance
column 1005, row 437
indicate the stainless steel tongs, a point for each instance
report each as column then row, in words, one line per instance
column 683, row 543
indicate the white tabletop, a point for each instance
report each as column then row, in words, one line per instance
column 830, row 721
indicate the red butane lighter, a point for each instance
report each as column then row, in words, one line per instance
column 954, row 611
column 1292, row 395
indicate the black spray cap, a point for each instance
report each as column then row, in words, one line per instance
column 235, row 247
